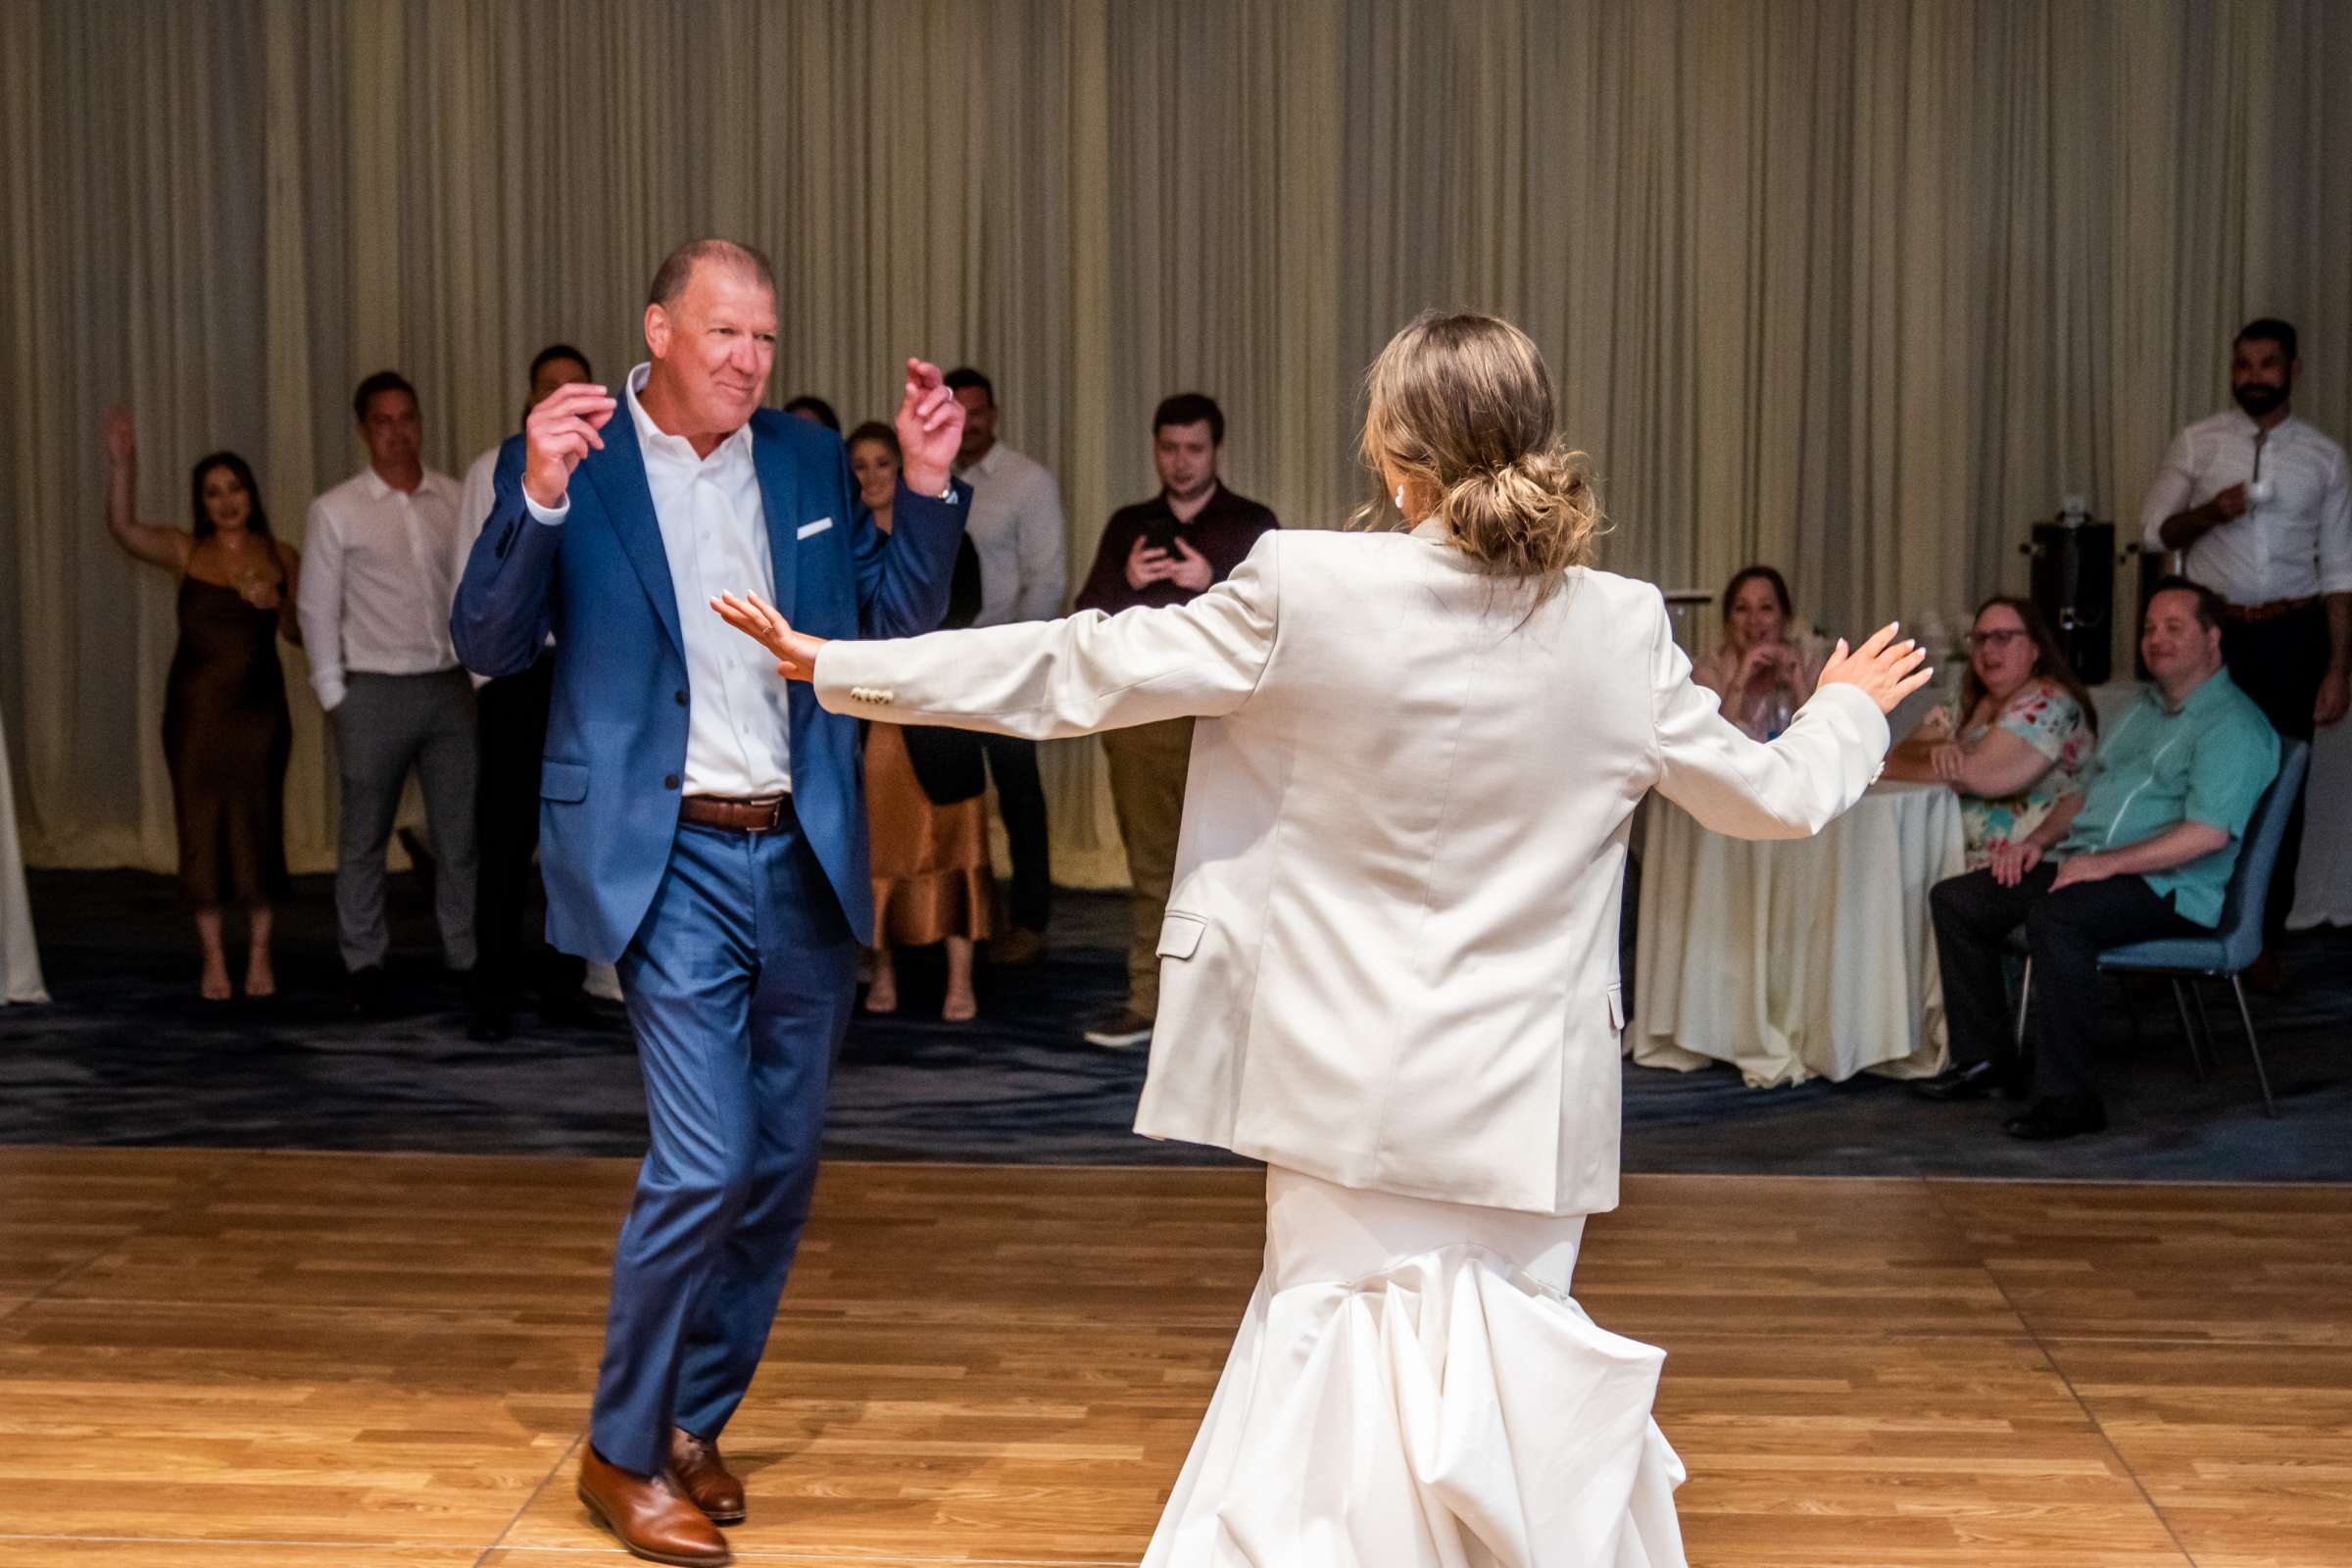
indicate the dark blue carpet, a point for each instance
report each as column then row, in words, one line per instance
column 127, row 1055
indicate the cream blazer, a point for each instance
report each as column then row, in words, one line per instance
column 1390, row 959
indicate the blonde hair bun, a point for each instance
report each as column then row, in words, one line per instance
column 1460, row 403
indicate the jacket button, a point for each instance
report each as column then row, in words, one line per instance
column 670, row 782
column 681, row 699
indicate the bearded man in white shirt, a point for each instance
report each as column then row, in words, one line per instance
column 2258, row 505
column 1016, row 530
column 377, row 579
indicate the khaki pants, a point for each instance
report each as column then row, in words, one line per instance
column 1147, row 763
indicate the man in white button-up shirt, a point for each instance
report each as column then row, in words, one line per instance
column 1016, row 531
column 2260, row 507
column 511, row 737
column 378, row 575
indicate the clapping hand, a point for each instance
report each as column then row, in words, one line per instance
column 1882, row 669
column 930, row 424
column 1759, row 658
column 754, row 617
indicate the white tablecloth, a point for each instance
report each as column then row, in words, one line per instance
column 20, row 960
column 1797, row 958
column 2323, row 877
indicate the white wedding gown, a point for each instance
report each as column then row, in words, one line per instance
column 1413, row 1387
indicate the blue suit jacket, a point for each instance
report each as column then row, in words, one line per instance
column 616, row 731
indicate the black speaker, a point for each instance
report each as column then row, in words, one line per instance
column 2073, row 587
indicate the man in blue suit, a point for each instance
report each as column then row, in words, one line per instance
column 703, row 823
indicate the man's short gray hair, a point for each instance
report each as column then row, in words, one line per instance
column 677, row 267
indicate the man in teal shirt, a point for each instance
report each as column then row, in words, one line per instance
column 2145, row 851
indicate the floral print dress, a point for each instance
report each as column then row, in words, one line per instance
column 2043, row 715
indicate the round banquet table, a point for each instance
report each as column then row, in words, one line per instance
column 1796, row 958
column 20, row 960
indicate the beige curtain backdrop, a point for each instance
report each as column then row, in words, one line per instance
column 1856, row 286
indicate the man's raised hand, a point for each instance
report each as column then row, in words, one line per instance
column 1885, row 671
column 930, row 425
column 560, row 432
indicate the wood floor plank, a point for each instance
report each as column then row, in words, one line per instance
column 2197, row 1264
column 59, row 1210
column 358, row 1359
column 20, row 1551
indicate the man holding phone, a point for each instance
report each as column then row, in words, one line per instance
column 1164, row 551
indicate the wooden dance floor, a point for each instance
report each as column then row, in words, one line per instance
column 253, row 1360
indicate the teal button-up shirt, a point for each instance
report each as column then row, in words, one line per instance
column 2207, row 760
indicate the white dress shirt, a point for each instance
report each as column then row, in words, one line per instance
column 376, row 586
column 714, row 532
column 1016, row 529
column 2292, row 545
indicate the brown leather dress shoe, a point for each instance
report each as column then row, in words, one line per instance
column 652, row 1517
column 697, row 1470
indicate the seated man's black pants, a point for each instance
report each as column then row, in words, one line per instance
column 2066, row 931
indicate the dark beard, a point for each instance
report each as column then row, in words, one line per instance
column 2257, row 398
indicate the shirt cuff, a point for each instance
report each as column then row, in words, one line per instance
column 330, row 692
column 542, row 514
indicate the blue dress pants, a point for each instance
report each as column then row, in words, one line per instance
column 738, row 985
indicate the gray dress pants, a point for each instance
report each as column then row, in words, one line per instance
column 386, row 726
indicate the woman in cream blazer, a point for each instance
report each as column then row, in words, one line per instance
column 1389, row 962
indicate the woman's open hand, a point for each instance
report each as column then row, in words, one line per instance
column 1885, row 671
column 760, row 622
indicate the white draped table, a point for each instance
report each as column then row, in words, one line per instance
column 20, row 960
column 1796, row 958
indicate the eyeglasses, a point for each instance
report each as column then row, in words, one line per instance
column 2001, row 638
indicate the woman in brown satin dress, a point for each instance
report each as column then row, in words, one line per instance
column 923, row 801
column 226, row 731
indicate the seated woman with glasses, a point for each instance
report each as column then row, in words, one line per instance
column 1767, row 665
column 2026, row 735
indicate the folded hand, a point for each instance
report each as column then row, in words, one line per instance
column 2011, row 863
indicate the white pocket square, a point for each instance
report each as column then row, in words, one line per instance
column 811, row 529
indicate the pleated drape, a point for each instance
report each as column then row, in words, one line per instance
column 1856, row 286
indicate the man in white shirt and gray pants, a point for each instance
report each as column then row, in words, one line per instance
column 2258, row 505
column 378, row 556
column 1016, row 531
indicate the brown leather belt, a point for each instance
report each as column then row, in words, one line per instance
column 2276, row 610
column 736, row 816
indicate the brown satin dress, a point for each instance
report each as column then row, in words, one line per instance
column 930, row 863
column 226, row 736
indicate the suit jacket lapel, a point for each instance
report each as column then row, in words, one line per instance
column 779, row 497
column 619, row 481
